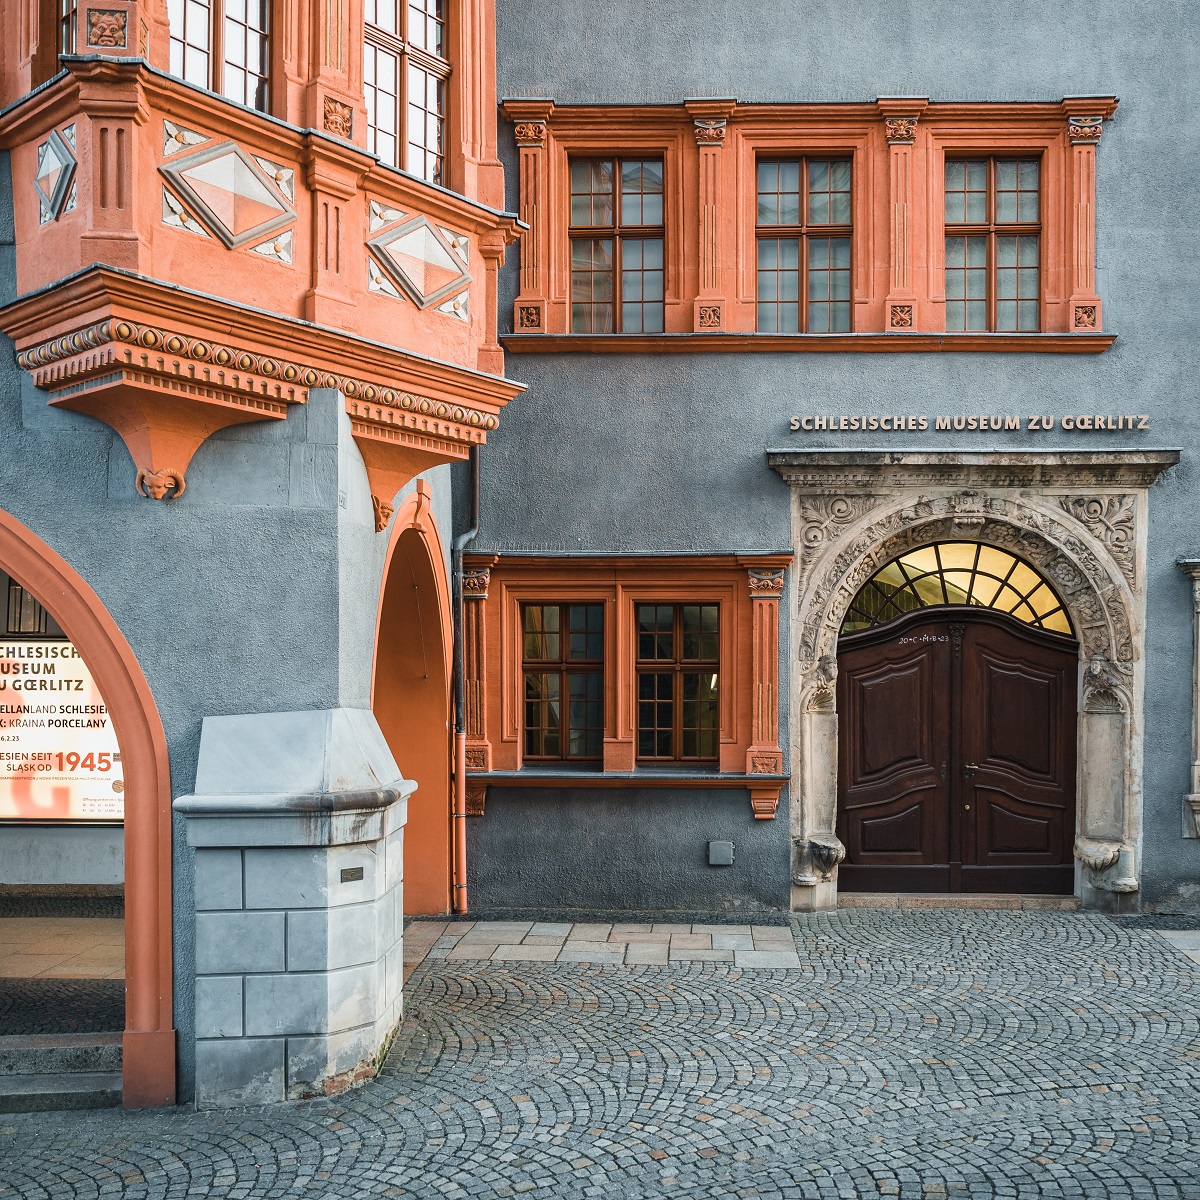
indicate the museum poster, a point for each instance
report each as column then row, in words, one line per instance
column 59, row 759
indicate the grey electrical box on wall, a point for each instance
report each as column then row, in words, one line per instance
column 720, row 854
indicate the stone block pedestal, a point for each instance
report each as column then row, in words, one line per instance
column 297, row 824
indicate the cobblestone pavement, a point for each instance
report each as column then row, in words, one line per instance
column 914, row 1054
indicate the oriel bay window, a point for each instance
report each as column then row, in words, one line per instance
column 405, row 79
column 993, row 234
column 616, row 246
column 563, row 670
column 803, row 231
column 678, row 669
column 222, row 45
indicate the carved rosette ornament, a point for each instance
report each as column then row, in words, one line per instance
column 900, row 130
column 710, row 131
column 1084, row 130
column 475, row 583
column 530, row 133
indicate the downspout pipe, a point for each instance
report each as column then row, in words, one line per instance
column 458, row 839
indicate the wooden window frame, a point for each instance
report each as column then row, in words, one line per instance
column 217, row 61
column 749, row 754
column 897, row 149
column 563, row 667
column 677, row 667
column 617, row 232
column 991, row 229
column 803, row 233
column 407, row 54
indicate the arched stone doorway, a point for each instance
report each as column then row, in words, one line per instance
column 148, row 1044
column 410, row 695
column 956, row 699
column 1079, row 518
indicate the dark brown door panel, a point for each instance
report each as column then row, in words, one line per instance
column 957, row 755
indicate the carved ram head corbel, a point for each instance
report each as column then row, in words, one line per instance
column 167, row 484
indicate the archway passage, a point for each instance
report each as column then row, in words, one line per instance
column 411, row 699
column 957, row 679
column 148, row 1041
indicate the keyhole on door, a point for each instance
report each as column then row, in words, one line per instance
column 943, row 772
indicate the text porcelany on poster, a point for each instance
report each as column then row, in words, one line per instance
column 981, row 422
column 59, row 759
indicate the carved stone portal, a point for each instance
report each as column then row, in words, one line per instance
column 1078, row 517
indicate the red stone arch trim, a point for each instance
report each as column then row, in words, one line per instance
column 410, row 695
column 149, row 1041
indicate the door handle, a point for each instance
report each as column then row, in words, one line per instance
column 969, row 769
column 942, row 772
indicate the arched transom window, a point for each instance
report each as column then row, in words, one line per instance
column 962, row 573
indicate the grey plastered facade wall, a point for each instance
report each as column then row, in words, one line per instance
column 256, row 591
column 588, row 445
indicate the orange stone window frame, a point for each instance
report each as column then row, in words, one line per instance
column 746, row 587
column 898, row 147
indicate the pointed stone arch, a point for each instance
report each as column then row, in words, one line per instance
column 1079, row 518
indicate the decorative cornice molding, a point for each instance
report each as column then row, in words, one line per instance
column 825, row 471
column 1083, row 342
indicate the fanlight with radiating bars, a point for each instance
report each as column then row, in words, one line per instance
column 964, row 573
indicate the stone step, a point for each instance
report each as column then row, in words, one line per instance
column 963, row 900
column 26, row 1055
column 43, row 1093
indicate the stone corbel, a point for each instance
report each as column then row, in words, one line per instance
column 1109, row 864
column 709, row 124
column 1191, row 801
column 900, row 116
column 816, row 858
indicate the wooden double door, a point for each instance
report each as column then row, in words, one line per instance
column 956, row 763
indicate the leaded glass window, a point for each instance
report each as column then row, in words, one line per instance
column 563, row 669
column 804, row 226
column 957, row 573
column 617, row 269
column 993, row 238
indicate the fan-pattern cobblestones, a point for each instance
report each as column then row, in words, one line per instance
column 920, row 1055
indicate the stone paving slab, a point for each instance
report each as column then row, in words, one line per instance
column 919, row 1054
column 506, row 941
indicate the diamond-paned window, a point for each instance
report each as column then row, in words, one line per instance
column 230, row 193
column 55, row 171
column 420, row 260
